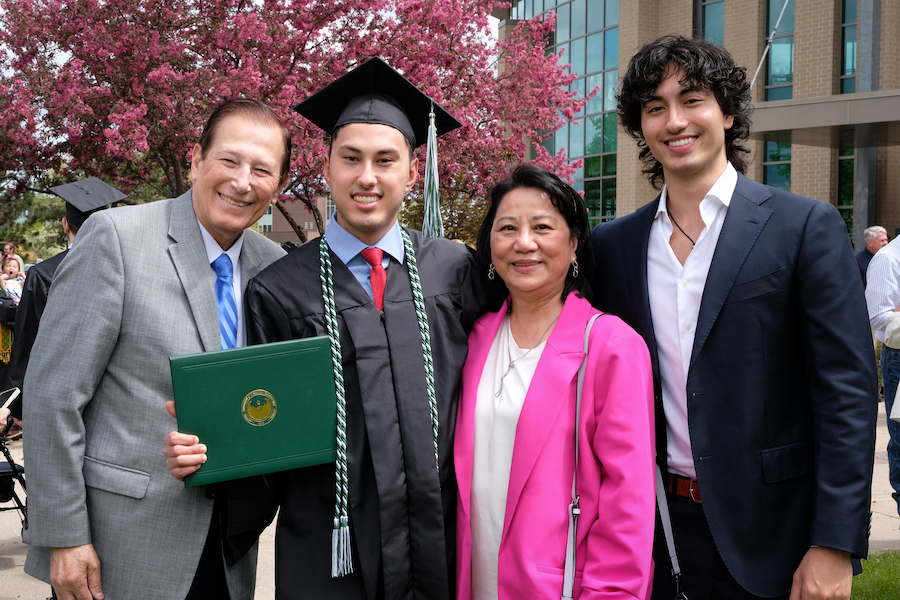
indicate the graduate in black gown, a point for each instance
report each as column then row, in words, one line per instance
column 83, row 198
column 401, row 504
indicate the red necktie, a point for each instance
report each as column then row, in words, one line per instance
column 378, row 274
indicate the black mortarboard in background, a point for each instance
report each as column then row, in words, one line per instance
column 376, row 93
column 84, row 197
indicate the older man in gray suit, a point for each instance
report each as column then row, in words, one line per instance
column 139, row 285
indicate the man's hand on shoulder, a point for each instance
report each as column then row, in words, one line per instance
column 75, row 573
column 823, row 574
column 184, row 453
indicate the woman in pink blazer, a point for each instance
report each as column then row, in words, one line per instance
column 514, row 446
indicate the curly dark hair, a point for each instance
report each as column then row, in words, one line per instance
column 572, row 207
column 705, row 66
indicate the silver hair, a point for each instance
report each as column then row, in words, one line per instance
column 872, row 232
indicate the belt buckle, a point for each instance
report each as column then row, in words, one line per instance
column 695, row 486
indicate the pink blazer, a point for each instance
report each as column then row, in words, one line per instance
column 616, row 475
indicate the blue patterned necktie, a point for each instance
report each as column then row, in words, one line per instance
column 225, row 301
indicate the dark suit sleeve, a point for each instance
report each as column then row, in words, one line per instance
column 31, row 307
column 840, row 367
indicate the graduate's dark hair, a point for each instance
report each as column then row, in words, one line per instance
column 705, row 66
column 568, row 202
column 253, row 110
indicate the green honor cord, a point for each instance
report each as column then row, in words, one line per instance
column 341, row 561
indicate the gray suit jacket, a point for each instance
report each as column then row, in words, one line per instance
column 135, row 289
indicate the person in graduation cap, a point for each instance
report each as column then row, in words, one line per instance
column 105, row 517
column 82, row 198
column 400, row 306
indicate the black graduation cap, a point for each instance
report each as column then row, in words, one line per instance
column 84, row 197
column 376, row 93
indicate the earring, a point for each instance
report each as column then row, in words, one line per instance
column 574, row 268
column 491, row 272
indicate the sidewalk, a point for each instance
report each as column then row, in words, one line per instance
column 17, row 585
column 885, row 533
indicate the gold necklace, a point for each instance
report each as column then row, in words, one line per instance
column 512, row 360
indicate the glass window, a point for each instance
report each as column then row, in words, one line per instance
column 777, row 151
column 777, row 165
column 849, row 62
column 564, row 57
column 593, row 141
column 611, row 49
column 578, row 18
column 612, row 13
column 548, row 145
column 576, row 138
column 786, row 26
column 595, row 104
column 849, row 12
column 529, row 9
column 780, row 76
column 609, row 165
column 594, row 15
column 714, row 21
column 593, row 197
column 610, row 84
column 780, row 61
column 562, row 22
column 845, row 181
column 577, row 86
column 848, row 47
column 577, row 58
column 593, row 166
column 609, row 132
column 609, row 198
column 538, row 7
column 594, row 53
column 778, row 176
column 845, row 197
column 562, row 137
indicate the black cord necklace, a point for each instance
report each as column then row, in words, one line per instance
column 671, row 218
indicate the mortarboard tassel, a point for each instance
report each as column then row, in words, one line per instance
column 433, row 226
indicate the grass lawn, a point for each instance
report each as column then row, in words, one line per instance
column 880, row 579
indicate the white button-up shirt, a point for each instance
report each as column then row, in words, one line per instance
column 675, row 294
column 883, row 286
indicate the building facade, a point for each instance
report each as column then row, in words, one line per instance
column 275, row 226
column 826, row 94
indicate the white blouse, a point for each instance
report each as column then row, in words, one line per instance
column 495, row 433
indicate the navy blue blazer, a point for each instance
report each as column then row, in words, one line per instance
column 781, row 386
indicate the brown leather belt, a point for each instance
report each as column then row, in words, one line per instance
column 683, row 486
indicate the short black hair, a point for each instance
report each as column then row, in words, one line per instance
column 249, row 109
column 568, row 202
column 704, row 66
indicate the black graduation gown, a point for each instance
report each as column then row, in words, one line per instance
column 402, row 518
column 31, row 307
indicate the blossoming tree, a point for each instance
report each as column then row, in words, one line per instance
column 120, row 88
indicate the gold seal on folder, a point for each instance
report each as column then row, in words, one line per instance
column 259, row 408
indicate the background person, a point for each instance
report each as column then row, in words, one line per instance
column 876, row 239
column 11, row 279
column 750, row 302
column 883, row 299
column 82, row 198
column 9, row 249
column 514, row 447
column 105, row 518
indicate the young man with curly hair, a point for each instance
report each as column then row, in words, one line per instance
column 751, row 304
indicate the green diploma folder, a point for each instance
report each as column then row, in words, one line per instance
column 259, row 409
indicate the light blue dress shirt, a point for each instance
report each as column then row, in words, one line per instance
column 347, row 247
